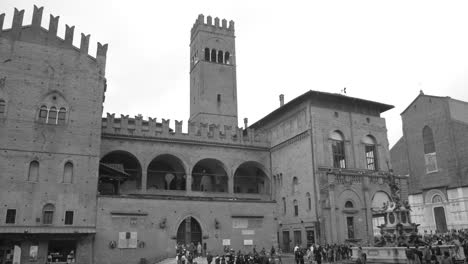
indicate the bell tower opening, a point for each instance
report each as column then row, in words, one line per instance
column 189, row 231
column 213, row 72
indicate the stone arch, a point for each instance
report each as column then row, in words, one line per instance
column 433, row 192
column 250, row 177
column 349, row 195
column 210, row 175
column 126, row 162
column 182, row 218
column 167, row 172
column 378, row 198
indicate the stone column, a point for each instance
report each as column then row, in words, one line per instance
column 230, row 175
column 368, row 205
column 188, row 182
column 144, row 180
column 332, row 224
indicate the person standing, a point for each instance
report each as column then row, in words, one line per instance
column 318, row 255
column 199, row 249
column 209, row 258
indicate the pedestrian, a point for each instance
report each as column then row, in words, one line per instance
column 209, row 258
column 446, row 259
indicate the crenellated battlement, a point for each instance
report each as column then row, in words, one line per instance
column 150, row 128
column 35, row 33
column 216, row 25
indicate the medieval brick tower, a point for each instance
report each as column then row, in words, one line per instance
column 213, row 89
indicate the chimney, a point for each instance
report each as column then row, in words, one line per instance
column 281, row 99
column 246, row 122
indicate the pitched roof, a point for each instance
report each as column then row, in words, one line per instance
column 305, row 96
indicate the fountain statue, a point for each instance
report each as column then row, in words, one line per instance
column 397, row 230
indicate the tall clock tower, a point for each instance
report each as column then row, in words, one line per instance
column 213, row 88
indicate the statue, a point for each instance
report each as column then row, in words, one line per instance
column 397, row 229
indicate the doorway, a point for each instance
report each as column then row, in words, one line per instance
column 189, row 232
column 441, row 222
column 285, row 241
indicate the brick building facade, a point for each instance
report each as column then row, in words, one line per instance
column 434, row 153
column 119, row 189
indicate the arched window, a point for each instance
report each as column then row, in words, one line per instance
column 213, row 55
column 309, row 201
column 68, row 172
column 48, row 214
column 33, row 173
column 295, row 184
column 370, row 151
column 339, row 159
column 349, row 204
column 284, row 205
column 227, row 58
column 43, row 114
column 429, row 150
column 296, row 208
column 2, row 106
column 207, row 54
column 52, row 118
column 62, row 115
column 428, row 140
column 437, row 199
column 220, row 57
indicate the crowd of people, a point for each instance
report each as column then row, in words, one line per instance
column 318, row 254
column 435, row 250
column 315, row 254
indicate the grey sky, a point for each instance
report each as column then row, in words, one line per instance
column 380, row 50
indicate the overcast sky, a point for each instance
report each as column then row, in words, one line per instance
column 379, row 50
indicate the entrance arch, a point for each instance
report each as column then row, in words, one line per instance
column 189, row 231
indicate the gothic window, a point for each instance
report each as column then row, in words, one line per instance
column 220, row 57
column 2, row 107
column 295, row 184
column 296, row 208
column 48, row 214
column 339, row 159
column 437, row 199
column 33, row 173
column 227, row 58
column 52, row 115
column 349, row 204
column 68, row 173
column 62, row 114
column 370, row 151
column 428, row 140
column 43, row 114
column 213, row 55
column 429, row 150
column 207, row 54
column 284, row 205
column 52, row 118
column 309, row 201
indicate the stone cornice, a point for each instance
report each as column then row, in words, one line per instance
column 290, row 141
column 182, row 141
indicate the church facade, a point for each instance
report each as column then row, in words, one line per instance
column 118, row 189
column 433, row 152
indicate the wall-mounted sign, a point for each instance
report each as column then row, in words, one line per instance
column 246, row 232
